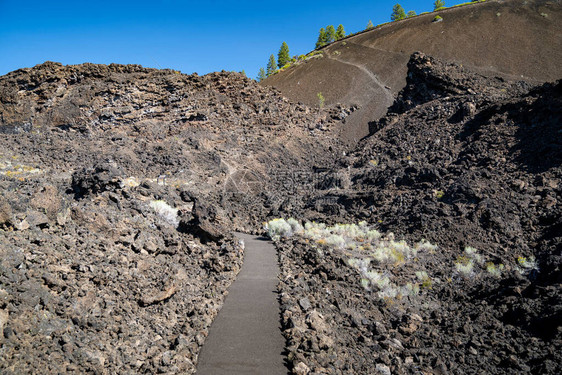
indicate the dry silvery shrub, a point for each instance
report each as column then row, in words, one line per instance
column 166, row 212
column 278, row 228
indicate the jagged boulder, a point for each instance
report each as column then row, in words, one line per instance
column 207, row 221
column 102, row 177
column 6, row 214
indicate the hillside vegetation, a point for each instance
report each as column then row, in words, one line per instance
column 514, row 39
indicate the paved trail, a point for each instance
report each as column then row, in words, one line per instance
column 245, row 337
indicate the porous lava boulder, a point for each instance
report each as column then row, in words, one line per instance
column 208, row 221
column 102, row 177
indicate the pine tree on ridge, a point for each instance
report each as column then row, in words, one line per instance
column 283, row 56
column 398, row 13
column 340, row 32
column 321, row 37
column 261, row 75
column 271, row 66
column 330, row 34
column 438, row 4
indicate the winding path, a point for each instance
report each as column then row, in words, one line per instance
column 371, row 94
column 245, row 337
column 389, row 99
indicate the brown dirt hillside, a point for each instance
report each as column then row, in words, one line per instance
column 515, row 39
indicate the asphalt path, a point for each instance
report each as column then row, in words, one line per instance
column 245, row 337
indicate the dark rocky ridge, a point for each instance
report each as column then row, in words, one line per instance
column 460, row 160
column 120, row 187
column 198, row 131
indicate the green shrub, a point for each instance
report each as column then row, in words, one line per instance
column 468, row 3
column 314, row 54
column 526, row 265
column 472, row 253
column 423, row 277
column 321, row 100
column 438, row 4
column 464, row 266
column 437, row 18
column 494, row 270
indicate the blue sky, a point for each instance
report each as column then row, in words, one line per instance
column 190, row 36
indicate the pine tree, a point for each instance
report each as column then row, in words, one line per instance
column 243, row 72
column 283, row 56
column 411, row 13
column 340, row 32
column 398, row 13
column 321, row 37
column 330, row 34
column 370, row 25
column 271, row 66
column 261, row 75
column 438, row 4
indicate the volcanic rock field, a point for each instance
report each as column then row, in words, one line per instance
column 431, row 245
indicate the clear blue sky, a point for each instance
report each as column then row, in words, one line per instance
column 190, row 36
